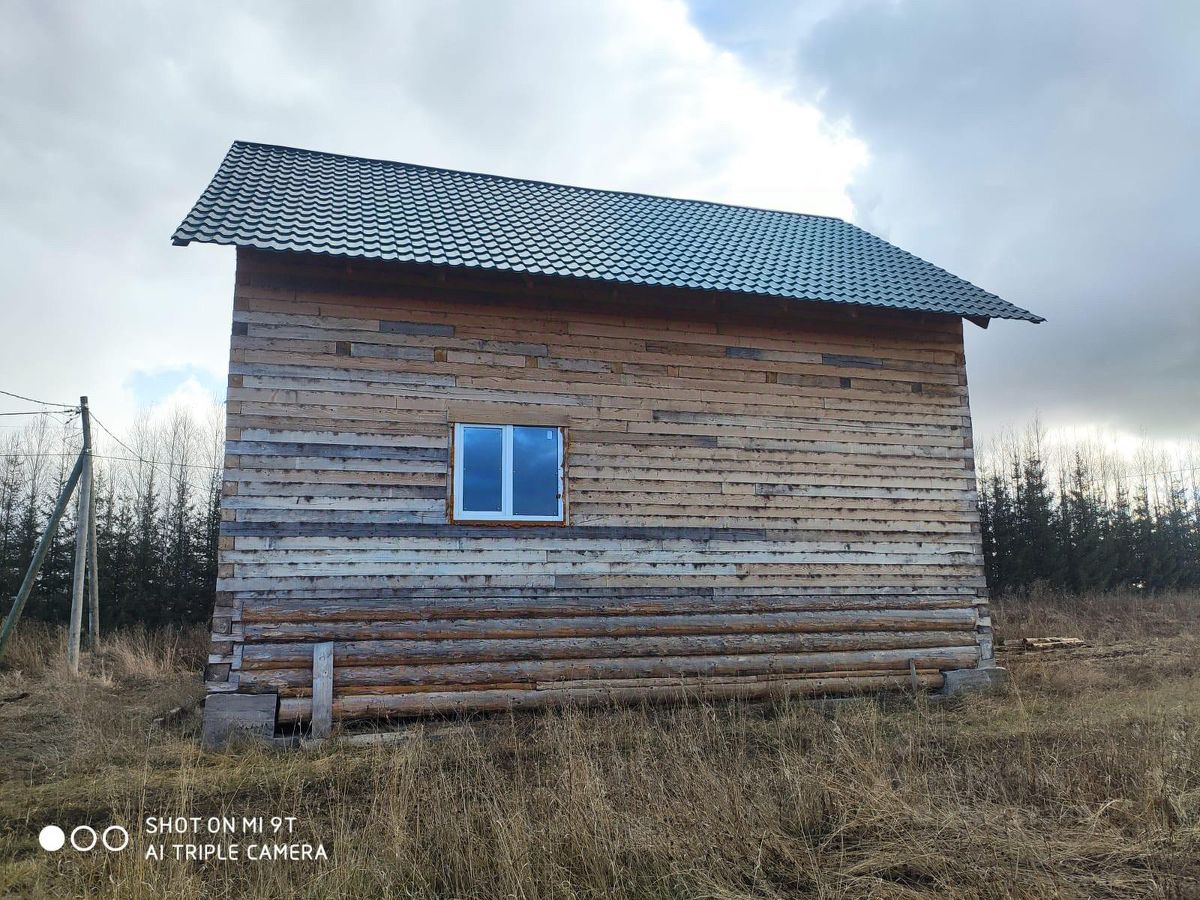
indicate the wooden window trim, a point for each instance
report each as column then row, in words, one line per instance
column 455, row 475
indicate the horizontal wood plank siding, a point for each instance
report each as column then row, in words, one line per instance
column 764, row 497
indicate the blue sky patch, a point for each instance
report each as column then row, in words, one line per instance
column 152, row 387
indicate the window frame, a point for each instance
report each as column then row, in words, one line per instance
column 459, row 514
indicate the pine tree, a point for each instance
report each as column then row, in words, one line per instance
column 1086, row 564
column 1040, row 558
column 1120, row 541
column 11, row 476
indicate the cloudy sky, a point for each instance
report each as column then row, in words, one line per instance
column 1049, row 152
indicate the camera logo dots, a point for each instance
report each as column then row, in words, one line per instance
column 52, row 838
column 114, row 838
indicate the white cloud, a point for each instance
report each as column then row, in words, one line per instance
column 191, row 398
column 1047, row 152
column 113, row 117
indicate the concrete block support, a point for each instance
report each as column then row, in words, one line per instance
column 962, row 681
column 231, row 716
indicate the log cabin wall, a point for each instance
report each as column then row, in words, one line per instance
column 764, row 496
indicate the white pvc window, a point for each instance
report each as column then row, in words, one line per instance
column 508, row 473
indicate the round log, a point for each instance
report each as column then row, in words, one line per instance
column 297, row 709
column 365, row 653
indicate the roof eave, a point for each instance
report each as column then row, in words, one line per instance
column 181, row 239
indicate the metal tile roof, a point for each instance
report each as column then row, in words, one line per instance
column 282, row 198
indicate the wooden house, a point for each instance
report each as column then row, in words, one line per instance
column 497, row 443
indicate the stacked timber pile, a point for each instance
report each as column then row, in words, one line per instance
column 1050, row 643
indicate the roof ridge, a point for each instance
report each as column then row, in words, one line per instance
column 539, row 182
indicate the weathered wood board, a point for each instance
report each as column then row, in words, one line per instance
column 764, row 497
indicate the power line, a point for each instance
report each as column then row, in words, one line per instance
column 108, row 431
column 137, row 457
column 150, row 462
column 154, row 463
column 141, row 458
column 28, row 426
column 158, row 462
column 40, row 402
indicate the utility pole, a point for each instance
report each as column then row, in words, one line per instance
column 86, row 572
column 82, row 528
column 93, row 566
column 39, row 555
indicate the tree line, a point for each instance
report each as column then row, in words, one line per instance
column 1079, row 519
column 157, row 517
column 1085, row 518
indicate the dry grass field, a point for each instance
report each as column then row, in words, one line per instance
column 1083, row 780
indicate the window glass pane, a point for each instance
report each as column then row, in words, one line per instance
column 535, row 471
column 482, row 451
